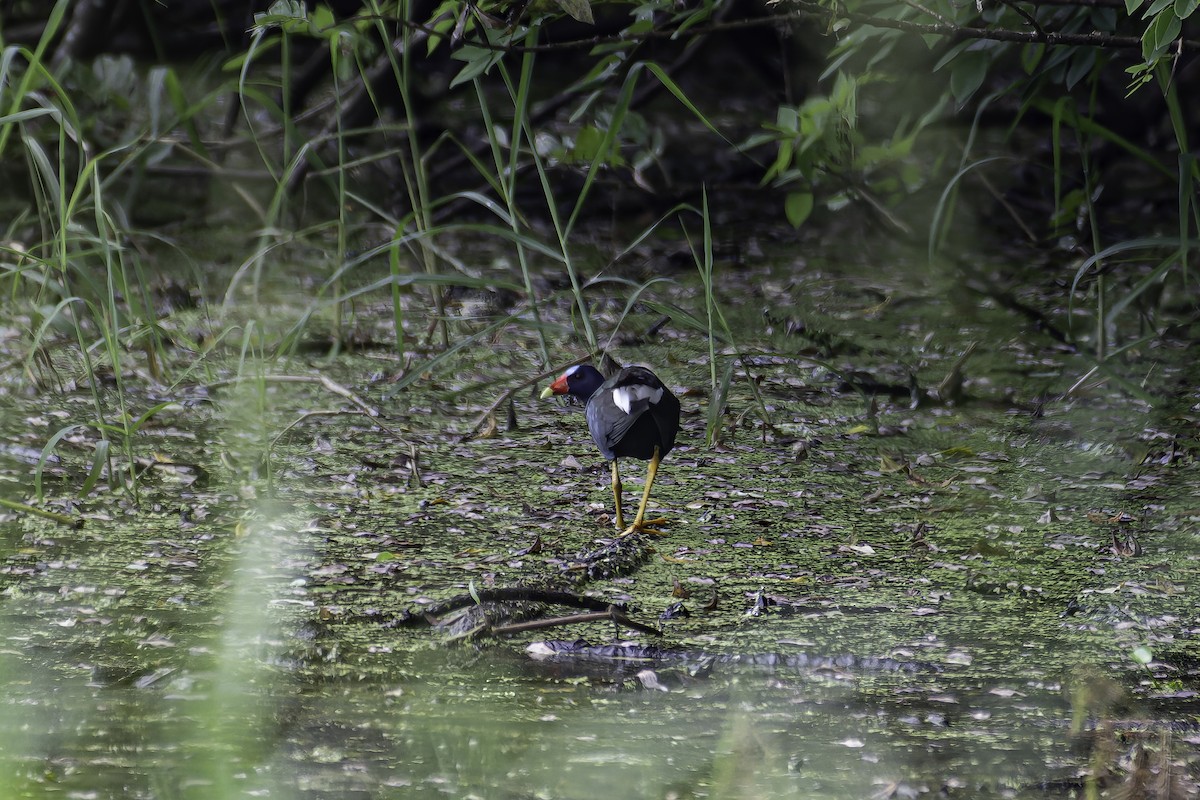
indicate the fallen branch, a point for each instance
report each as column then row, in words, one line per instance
column 596, row 616
column 598, row 611
column 519, row 594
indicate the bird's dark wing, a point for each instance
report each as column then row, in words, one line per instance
column 609, row 423
column 617, row 405
column 666, row 416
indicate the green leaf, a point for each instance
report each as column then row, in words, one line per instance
column 1151, row 279
column 951, row 54
column 148, row 415
column 1031, row 55
column 1132, row 5
column 99, row 462
column 479, row 61
column 588, row 142
column 1139, row 76
column 782, row 161
column 787, row 119
column 321, row 21
column 288, row 15
column 577, row 9
column 442, row 25
column 1081, row 64
column 967, row 73
column 1158, row 37
column 674, row 89
column 47, row 452
column 797, row 207
column 287, row 8
column 870, row 156
column 1184, row 8
column 716, row 406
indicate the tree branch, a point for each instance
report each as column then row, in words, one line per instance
column 808, row 9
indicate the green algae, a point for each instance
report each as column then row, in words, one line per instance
column 235, row 633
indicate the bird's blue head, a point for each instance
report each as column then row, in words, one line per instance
column 580, row 381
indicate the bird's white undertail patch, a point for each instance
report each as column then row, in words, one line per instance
column 625, row 396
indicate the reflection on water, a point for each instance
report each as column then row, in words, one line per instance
column 486, row 725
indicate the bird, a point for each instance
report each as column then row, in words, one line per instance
column 631, row 415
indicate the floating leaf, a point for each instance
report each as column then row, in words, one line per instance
column 983, row 547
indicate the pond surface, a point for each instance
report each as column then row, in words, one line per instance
column 1024, row 557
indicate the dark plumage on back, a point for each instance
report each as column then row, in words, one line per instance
column 631, row 414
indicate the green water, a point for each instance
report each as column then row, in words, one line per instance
column 227, row 631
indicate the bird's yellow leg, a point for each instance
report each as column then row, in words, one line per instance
column 640, row 523
column 616, row 487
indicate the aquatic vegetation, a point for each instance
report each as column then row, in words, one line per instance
column 263, row 572
column 283, row 515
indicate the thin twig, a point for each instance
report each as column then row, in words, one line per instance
column 326, row 383
column 508, row 395
column 927, row 11
column 1025, row 15
column 957, row 33
column 331, row 412
column 999, row 197
column 414, row 469
column 1081, row 3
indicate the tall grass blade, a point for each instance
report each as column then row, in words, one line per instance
column 100, row 460
column 36, row 66
column 940, row 215
column 44, row 456
column 716, row 405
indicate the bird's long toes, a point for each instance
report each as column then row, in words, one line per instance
column 645, row 528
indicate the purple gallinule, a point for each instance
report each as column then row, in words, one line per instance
column 631, row 415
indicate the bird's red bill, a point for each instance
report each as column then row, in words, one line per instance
column 560, row 385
